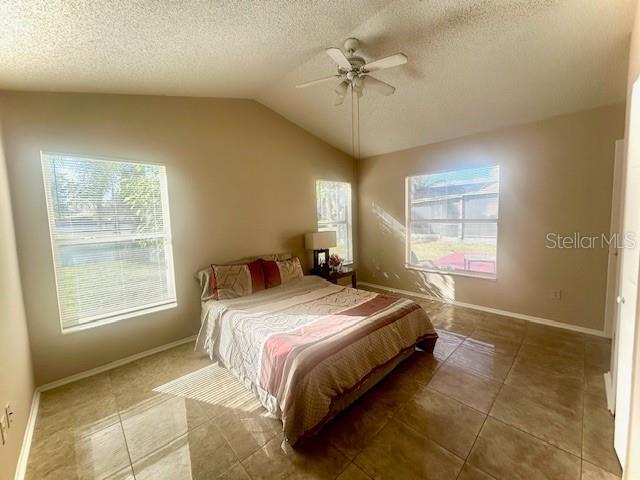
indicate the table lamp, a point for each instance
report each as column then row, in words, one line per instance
column 320, row 243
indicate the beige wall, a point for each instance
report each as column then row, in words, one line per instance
column 556, row 176
column 241, row 182
column 16, row 376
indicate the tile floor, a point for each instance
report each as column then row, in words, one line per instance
column 499, row 398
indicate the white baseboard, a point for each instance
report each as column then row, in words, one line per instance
column 21, row 468
column 112, row 365
column 529, row 318
column 608, row 390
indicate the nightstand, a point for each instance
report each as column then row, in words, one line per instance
column 333, row 277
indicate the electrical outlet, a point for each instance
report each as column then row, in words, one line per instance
column 3, row 428
column 8, row 410
column 556, row 294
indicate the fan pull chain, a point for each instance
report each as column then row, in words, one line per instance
column 355, row 124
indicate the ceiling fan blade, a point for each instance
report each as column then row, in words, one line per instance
column 379, row 86
column 338, row 101
column 338, row 57
column 320, row 80
column 386, row 62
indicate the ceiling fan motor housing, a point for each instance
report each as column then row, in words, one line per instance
column 351, row 45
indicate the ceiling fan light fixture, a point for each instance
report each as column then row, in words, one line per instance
column 342, row 88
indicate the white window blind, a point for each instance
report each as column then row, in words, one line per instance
column 453, row 221
column 111, row 238
column 334, row 213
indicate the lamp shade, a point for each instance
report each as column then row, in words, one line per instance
column 320, row 240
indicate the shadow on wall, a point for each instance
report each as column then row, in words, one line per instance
column 394, row 235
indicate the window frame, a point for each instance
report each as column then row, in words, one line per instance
column 348, row 222
column 408, row 222
column 133, row 312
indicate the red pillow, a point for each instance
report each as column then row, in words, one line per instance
column 271, row 273
column 257, row 276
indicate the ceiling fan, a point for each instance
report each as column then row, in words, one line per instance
column 354, row 71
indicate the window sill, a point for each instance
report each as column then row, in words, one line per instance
column 117, row 318
column 477, row 275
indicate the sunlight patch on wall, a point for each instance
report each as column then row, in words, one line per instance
column 388, row 223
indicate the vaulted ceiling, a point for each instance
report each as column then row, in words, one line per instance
column 473, row 65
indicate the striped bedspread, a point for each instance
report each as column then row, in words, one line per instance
column 302, row 345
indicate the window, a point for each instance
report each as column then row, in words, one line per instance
column 453, row 221
column 334, row 213
column 111, row 238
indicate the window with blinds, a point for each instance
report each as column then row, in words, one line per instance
column 111, row 238
column 453, row 221
column 334, row 213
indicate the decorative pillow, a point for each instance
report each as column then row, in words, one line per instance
column 277, row 273
column 233, row 281
column 203, row 275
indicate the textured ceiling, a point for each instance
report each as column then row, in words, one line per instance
column 473, row 65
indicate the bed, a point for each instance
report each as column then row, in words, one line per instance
column 309, row 348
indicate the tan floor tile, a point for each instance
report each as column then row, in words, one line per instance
column 353, row 472
column 187, row 418
column 155, row 423
column 399, row 452
column 95, row 414
column 597, row 361
column 442, row 419
column 591, row 472
column 217, row 390
column 200, row 454
column 545, row 331
column 419, row 367
column 597, row 354
column 133, row 383
column 246, row 432
column 51, row 452
column 278, row 460
column 354, row 428
column 535, row 365
column 392, row 392
column 492, row 365
column 540, row 416
column 489, row 342
column 446, row 344
column 456, row 319
column 555, row 340
column 597, row 440
column 469, row 472
column 566, row 392
column 501, row 325
column 184, row 359
column 101, row 454
column 595, row 397
column 594, row 376
column 90, row 454
column 70, row 396
column 507, row 453
column 473, row 390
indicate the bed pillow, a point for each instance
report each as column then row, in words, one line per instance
column 203, row 275
column 280, row 272
column 233, row 281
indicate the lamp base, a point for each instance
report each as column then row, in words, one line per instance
column 321, row 259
